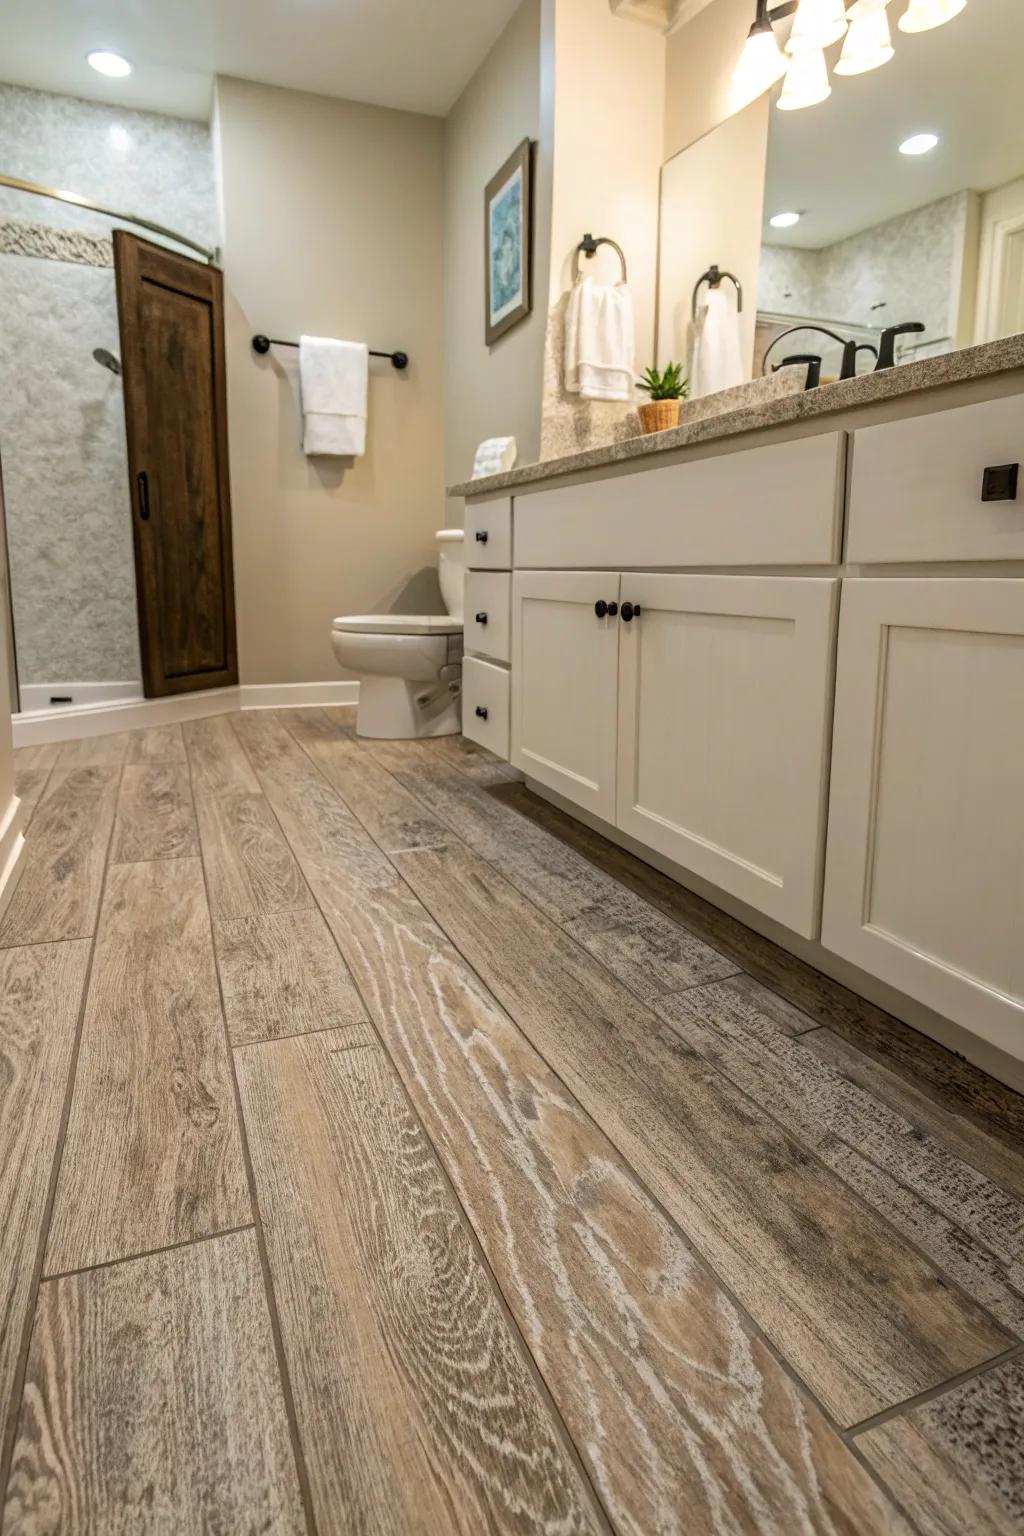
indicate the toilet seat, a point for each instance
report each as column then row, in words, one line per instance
column 397, row 624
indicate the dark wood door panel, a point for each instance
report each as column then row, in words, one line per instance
column 172, row 339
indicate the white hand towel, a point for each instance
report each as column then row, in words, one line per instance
column 335, row 378
column 717, row 355
column 600, row 341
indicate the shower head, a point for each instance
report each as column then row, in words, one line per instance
column 107, row 359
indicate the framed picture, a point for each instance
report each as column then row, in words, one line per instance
column 507, row 215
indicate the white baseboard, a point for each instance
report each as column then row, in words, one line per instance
column 12, row 847
column 37, row 696
column 69, row 722
column 298, row 695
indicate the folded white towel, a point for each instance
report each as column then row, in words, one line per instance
column 600, row 341
column 717, row 361
column 335, row 378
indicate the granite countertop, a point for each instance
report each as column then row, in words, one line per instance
column 932, row 372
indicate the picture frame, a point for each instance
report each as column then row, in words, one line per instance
column 508, row 263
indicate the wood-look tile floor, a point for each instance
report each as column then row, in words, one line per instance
column 381, row 1151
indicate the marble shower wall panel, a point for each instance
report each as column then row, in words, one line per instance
column 62, row 436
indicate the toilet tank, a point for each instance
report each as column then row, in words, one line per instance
column 451, row 568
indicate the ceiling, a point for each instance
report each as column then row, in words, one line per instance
column 838, row 163
column 411, row 54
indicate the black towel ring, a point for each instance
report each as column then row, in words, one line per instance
column 713, row 278
column 588, row 245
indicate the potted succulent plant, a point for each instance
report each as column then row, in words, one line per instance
column 666, row 389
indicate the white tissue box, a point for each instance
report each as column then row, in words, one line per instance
column 494, row 457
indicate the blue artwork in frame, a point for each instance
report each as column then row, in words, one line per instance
column 507, row 240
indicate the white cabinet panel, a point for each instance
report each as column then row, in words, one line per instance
column 487, row 627
column 924, row 881
column 488, row 541
column 564, row 682
column 915, row 486
column 485, row 690
column 724, row 711
column 780, row 504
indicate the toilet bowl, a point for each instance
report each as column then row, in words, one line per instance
column 409, row 666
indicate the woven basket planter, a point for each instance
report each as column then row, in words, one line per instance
column 659, row 415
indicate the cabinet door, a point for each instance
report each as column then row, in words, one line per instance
column 924, row 883
column 564, row 680
column 724, row 712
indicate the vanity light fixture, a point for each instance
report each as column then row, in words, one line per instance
column 869, row 42
column 762, row 61
column 922, row 15
column 111, row 64
column 817, row 24
column 806, row 81
column 919, row 144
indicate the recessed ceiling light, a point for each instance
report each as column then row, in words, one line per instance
column 111, row 64
column 784, row 220
column 919, row 144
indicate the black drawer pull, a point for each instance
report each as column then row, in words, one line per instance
column 601, row 608
column 481, row 711
column 142, row 480
column 630, row 611
column 999, row 482
column 481, row 618
column 481, row 535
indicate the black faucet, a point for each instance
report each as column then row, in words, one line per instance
column 887, row 342
column 812, row 361
column 850, row 350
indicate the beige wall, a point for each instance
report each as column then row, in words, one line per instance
column 700, row 61
column 492, row 391
column 332, row 226
column 703, row 223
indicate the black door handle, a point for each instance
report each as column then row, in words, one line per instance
column 481, row 711
column 142, row 482
column 630, row 611
column 481, row 535
column 481, row 618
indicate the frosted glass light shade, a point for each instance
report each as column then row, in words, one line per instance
column 761, row 63
column 868, row 42
column 817, row 24
column 806, row 81
column 922, row 15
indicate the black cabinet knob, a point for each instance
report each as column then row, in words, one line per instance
column 600, row 607
column 630, row 611
column 613, row 609
column 481, row 618
column 481, row 711
column 999, row 482
column 481, row 535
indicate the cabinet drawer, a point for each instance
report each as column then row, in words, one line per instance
column 776, row 505
column 487, row 604
column 489, row 535
column 916, row 486
column 485, row 704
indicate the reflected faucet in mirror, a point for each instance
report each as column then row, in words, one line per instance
column 884, row 354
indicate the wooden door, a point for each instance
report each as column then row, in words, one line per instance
column 172, row 352
column 924, row 874
column 724, row 713
column 564, row 682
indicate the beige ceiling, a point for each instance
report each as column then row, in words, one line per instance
column 838, row 163
column 412, row 54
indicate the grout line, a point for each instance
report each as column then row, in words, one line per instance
column 545, row 1394
column 300, row 1034
column 298, row 1451
column 143, row 1253
column 897, row 1410
column 21, row 1368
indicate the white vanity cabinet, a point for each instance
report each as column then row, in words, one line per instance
column 924, row 884
column 724, row 706
column 565, row 683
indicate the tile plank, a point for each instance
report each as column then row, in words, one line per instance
column 95, row 751
column 282, row 975
column 416, row 1406
column 957, row 1462
column 153, row 1152
column 865, row 1321
column 29, row 784
column 43, row 755
column 59, row 890
column 687, row 1423
column 40, row 995
column 219, row 765
column 248, row 863
column 394, row 818
column 155, row 818
column 153, row 1403
column 157, row 744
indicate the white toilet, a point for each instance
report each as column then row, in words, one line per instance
column 409, row 667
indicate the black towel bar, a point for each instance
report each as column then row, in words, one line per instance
column 263, row 344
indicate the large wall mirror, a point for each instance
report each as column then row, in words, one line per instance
column 898, row 198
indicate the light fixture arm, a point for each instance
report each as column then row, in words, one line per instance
column 766, row 14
